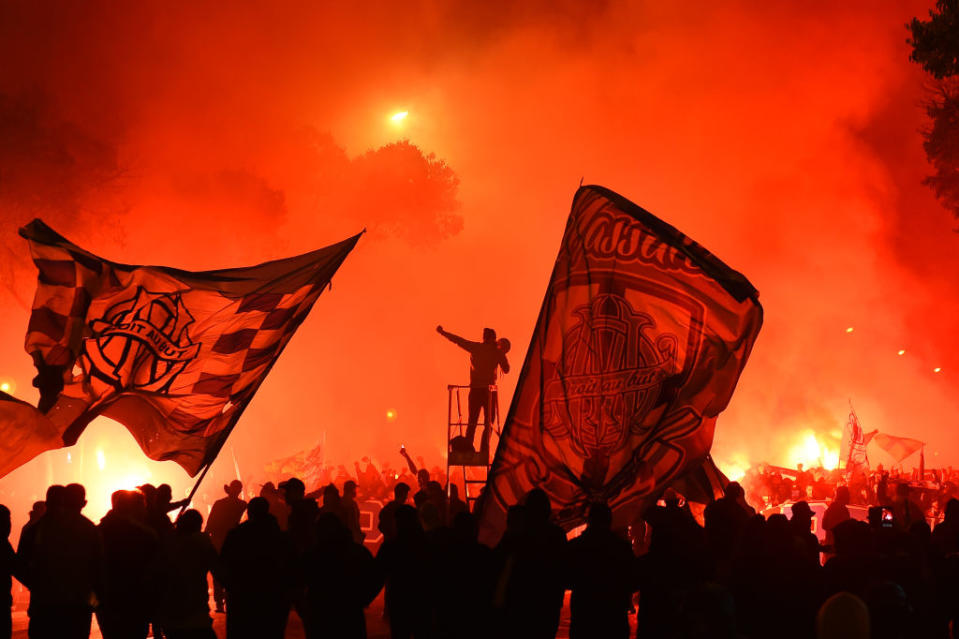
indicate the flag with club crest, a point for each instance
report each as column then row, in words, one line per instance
column 639, row 345
column 173, row 355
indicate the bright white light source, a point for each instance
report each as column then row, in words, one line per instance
column 101, row 459
column 399, row 117
column 5, row 387
column 936, row 369
column 902, row 352
column 849, row 330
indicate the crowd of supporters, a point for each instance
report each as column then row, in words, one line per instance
column 738, row 574
column 768, row 485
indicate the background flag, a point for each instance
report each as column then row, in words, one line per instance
column 173, row 355
column 639, row 344
column 898, row 447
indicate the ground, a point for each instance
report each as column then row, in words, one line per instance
column 376, row 627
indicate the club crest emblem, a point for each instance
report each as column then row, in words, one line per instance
column 610, row 376
column 141, row 343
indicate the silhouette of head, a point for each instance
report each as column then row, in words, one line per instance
column 489, row 336
column 422, row 477
column 258, row 509
column 234, row 488
column 454, row 491
column 56, row 498
column 293, row 489
column 75, row 498
column 503, row 345
column 38, row 509
column 189, row 522
column 842, row 495
column 802, row 513
column 600, row 517
column 349, row 489
column 734, row 490
column 164, row 495
column 331, row 496
column 843, row 615
column 952, row 509
column 537, row 506
column 4, row 522
column 401, row 491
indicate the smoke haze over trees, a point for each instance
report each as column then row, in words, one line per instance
column 785, row 139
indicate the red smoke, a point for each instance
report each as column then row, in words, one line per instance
column 784, row 139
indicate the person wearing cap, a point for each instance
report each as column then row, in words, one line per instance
column 224, row 517
column 485, row 358
column 801, row 523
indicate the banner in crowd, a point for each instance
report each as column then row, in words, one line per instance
column 173, row 355
column 852, row 450
column 898, row 447
column 639, row 345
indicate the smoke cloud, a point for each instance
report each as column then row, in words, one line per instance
column 784, row 139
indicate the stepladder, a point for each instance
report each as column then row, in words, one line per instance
column 472, row 421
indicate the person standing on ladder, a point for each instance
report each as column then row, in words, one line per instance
column 485, row 358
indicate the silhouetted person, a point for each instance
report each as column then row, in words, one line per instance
column 188, row 555
column 599, row 573
column 725, row 520
column 341, row 580
column 403, row 561
column 945, row 536
column 257, row 566
column 835, row 514
column 905, row 511
column 387, row 517
column 278, row 507
column 130, row 553
column 801, row 524
column 333, row 504
column 485, row 358
column 224, row 517
column 352, row 511
column 8, row 567
column 456, row 505
column 61, row 559
column 534, row 587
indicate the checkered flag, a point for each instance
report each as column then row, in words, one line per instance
column 174, row 355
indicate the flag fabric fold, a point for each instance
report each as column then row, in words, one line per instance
column 638, row 347
column 175, row 356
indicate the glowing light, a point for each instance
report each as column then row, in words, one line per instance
column 8, row 385
column 812, row 451
column 849, row 330
column 391, row 414
column 734, row 467
column 936, row 369
column 69, row 458
column 399, row 117
column 5, row 387
column 101, row 459
column 902, row 352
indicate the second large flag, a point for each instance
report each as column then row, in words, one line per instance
column 639, row 344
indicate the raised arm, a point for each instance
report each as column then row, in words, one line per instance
column 456, row 339
column 409, row 462
column 503, row 363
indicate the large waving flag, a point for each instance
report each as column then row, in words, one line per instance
column 173, row 355
column 638, row 347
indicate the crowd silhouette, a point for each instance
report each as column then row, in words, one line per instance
column 738, row 575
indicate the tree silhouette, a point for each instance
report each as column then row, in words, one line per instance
column 935, row 46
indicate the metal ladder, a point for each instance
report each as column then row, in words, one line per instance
column 475, row 467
